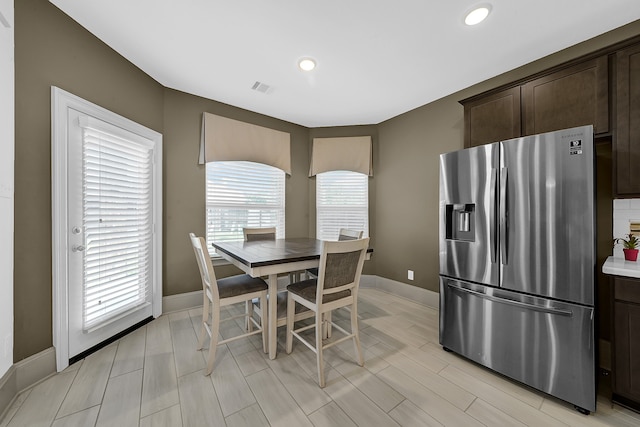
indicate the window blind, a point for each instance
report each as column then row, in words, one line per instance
column 243, row 194
column 117, row 223
column 342, row 201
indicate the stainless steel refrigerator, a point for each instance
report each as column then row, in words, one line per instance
column 517, row 260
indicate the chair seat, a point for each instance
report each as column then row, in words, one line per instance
column 282, row 306
column 307, row 290
column 240, row 285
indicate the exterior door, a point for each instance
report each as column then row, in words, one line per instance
column 547, row 221
column 106, row 227
column 468, row 182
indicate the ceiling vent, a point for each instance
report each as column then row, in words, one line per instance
column 261, row 87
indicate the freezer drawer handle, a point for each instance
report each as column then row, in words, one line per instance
column 551, row 310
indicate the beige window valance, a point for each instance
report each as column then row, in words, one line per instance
column 346, row 153
column 227, row 139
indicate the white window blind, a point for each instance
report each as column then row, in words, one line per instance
column 118, row 226
column 243, row 194
column 342, row 201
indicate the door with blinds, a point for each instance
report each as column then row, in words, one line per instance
column 112, row 236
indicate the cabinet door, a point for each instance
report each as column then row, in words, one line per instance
column 575, row 96
column 627, row 141
column 492, row 118
column 626, row 346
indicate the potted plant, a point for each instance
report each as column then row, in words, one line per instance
column 630, row 248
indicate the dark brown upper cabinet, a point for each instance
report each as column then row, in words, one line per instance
column 627, row 141
column 574, row 96
column 492, row 118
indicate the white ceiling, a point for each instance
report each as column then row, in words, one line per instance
column 376, row 59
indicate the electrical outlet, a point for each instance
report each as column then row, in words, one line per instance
column 410, row 274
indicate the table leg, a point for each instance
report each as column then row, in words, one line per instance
column 273, row 315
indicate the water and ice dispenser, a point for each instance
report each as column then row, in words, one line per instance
column 460, row 222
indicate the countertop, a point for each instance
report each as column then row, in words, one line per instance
column 619, row 267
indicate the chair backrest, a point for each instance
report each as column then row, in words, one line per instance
column 262, row 233
column 341, row 267
column 208, row 276
column 346, row 234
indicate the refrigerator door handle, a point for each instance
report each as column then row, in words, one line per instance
column 503, row 215
column 492, row 216
column 550, row 310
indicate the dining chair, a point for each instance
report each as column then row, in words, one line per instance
column 264, row 233
column 269, row 233
column 259, row 233
column 335, row 287
column 218, row 293
column 343, row 234
column 252, row 234
column 347, row 234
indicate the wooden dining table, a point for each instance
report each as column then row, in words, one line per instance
column 269, row 258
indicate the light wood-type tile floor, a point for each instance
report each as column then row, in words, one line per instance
column 154, row 377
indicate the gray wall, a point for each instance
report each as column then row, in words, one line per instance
column 51, row 49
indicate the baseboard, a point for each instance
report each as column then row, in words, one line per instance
column 180, row 302
column 422, row 296
column 8, row 390
column 26, row 374
column 188, row 300
column 413, row 293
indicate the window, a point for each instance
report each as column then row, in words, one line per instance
column 342, row 201
column 243, row 194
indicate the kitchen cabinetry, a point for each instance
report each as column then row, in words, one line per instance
column 570, row 97
column 626, row 341
column 602, row 89
column 627, row 142
column 492, row 118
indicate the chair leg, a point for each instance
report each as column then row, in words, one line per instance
column 291, row 311
column 264, row 322
column 205, row 319
column 319, row 357
column 213, row 344
column 356, row 334
column 248, row 309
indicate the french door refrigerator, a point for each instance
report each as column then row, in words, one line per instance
column 517, row 260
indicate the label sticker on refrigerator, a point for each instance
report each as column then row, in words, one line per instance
column 575, row 147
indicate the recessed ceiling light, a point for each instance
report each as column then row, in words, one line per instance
column 307, row 64
column 477, row 15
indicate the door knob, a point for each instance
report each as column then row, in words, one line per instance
column 77, row 248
